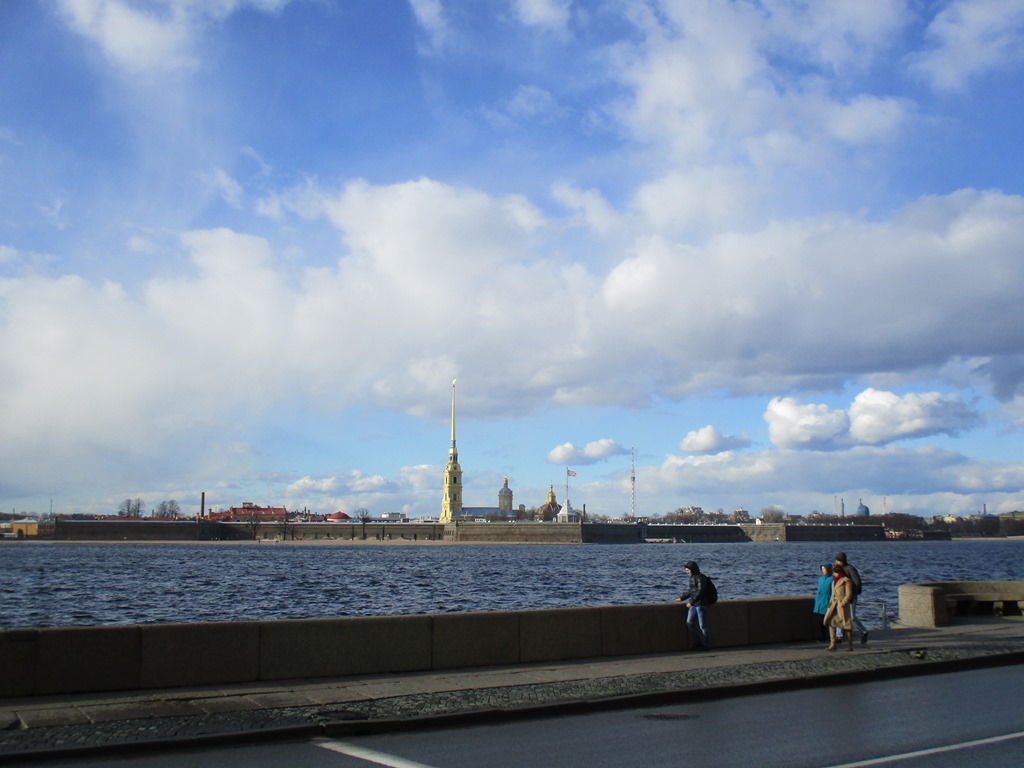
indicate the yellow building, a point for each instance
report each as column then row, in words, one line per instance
column 451, row 496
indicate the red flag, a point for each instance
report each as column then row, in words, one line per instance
column 569, row 472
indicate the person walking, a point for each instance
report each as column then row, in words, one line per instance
column 838, row 614
column 697, row 599
column 821, row 599
column 855, row 581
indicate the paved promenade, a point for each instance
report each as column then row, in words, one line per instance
column 95, row 724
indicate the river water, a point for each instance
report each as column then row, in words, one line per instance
column 63, row 584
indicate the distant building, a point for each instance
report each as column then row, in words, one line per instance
column 250, row 513
column 452, row 508
column 862, row 509
column 505, row 499
column 451, row 496
column 548, row 511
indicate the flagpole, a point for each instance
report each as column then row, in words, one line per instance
column 566, row 493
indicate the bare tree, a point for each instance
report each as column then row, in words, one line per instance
column 130, row 508
column 168, row 510
column 363, row 516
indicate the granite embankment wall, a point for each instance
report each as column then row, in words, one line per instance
column 52, row 661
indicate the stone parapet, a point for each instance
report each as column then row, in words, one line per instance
column 940, row 603
column 52, row 661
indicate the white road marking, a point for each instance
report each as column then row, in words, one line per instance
column 370, row 755
column 932, row 751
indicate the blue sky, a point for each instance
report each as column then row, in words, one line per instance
column 774, row 247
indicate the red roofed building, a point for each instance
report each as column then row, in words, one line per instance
column 338, row 517
column 251, row 513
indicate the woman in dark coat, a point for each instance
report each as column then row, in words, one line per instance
column 838, row 613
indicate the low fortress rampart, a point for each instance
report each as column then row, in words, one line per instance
column 456, row 532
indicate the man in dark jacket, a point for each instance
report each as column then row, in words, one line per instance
column 696, row 605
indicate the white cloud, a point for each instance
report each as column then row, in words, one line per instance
column 430, row 16
column 971, row 38
column 881, row 417
column 543, row 13
column 360, row 483
column 308, row 485
column 218, row 182
column 54, row 213
column 914, row 480
column 866, row 119
column 528, row 104
column 130, row 37
column 708, row 439
column 792, row 424
column 760, row 312
column 874, row 417
column 591, row 453
column 697, row 197
column 157, row 36
column 837, row 36
column 595, row 211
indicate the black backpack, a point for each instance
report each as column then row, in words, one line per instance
column 854, row 575
column 712, row 592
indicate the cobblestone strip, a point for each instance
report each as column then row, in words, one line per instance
column 418, row 706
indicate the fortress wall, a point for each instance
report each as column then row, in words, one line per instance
column 54, row 661
column 612, row 533
column 695, row 533
column 514, row 533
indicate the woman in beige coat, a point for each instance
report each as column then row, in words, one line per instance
column 838, row 613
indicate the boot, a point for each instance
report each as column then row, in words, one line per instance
column 849, row 641
column 832, row 639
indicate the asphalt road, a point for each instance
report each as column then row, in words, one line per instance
column 966, row 719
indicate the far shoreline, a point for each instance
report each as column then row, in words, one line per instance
column 440, row 542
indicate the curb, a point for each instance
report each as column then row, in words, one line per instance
column 178, row 743
column 342, row 728
column 359, row 727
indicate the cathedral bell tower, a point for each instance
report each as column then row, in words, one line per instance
column 451, row 498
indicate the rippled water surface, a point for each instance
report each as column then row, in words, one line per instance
column 61, row 584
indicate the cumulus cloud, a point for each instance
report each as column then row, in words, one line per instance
column 881, row 417
column 376, row 324
column 708, row 439
column 922, row 478
column 874, row 417
column 792, row 424
column 591, row 453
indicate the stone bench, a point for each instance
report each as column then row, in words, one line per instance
column 937, row 604
column 982, row 604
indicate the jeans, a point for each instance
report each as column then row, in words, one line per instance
column 697, row 624
column 853, row 618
